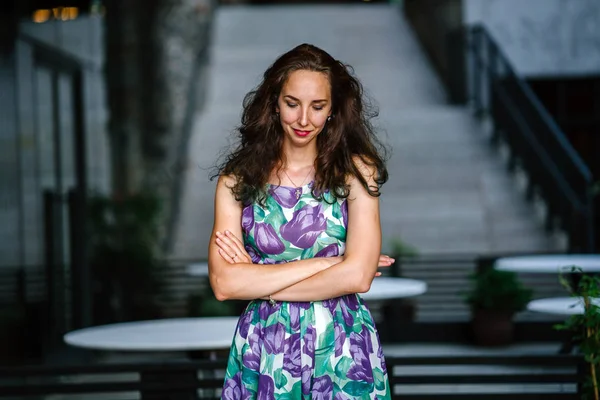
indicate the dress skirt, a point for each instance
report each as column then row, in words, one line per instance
column 306, row 350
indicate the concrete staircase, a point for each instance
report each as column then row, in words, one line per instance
column 448, row 191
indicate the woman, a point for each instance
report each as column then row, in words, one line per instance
column 297, row 231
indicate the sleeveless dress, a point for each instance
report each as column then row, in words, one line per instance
column 302, row 350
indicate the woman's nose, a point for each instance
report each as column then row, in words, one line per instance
column 303, row 118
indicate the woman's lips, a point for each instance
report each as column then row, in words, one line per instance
column 301, row 133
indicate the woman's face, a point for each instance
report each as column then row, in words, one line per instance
column 304, row 105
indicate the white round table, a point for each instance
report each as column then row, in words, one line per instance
column 560, row 305
column 176, row 334
column 549, row 263
column 384, row 288
column 198, row 269
column 172, row 334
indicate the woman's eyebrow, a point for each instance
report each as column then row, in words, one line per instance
column 314, row 101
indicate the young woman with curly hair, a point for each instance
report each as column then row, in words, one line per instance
column 297, row 232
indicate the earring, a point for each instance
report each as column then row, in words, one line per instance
column 329, row 118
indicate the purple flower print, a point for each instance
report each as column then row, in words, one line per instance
column 267, row 240
column 294, row 309
column 255, row 339
column 266, row 388
column 273, row 338
column 310, row 336
column 252, row 253
column 244, row 324
column 294, row 317
column 307, row 373
column 340, row 396
column 247, row 218
column 322, row 388
column 361, row 369
column 367, row 337
column 331, row 304
column 265, row 310
column 330, row 251
column 382, row 358
column 349, row 302
column 232, row 390
column 345, row 303
column 285, row 196
column 305, row 226
column 291, row 355
column 344, row 208
column 340, row 338
column 251, row 360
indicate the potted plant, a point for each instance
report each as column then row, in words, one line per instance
column 404, row 310
column 585, row 328
column 125, row 257
column 401, row 251
column 495, row 296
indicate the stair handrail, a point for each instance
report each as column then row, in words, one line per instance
column 506, row 98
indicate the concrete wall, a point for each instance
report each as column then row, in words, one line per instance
column 26, row 141
column 83, row 38
column 543, row 37
column 438, row 26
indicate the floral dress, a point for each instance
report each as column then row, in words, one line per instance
column 302, row 350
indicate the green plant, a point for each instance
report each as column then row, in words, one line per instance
column 496, row 290
column 125, row 256
column 586, row 326
column 402, row 249
column 209, row 306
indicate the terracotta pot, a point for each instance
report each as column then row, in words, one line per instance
column 492, row 328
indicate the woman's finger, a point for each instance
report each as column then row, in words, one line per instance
column 234, row 239
column 226, row 256
column 238, row 247
column 225, row 244
column 385, row 261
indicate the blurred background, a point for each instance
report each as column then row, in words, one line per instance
column 113, row 114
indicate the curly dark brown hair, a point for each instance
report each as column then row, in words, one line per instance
column 349, row 133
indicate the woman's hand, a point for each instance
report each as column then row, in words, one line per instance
column 232, row 249
column 384, row 261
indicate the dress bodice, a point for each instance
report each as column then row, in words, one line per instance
column 293, row 225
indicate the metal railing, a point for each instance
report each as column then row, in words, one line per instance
column 554, row 169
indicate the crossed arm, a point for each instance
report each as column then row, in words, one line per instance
column 304, row 280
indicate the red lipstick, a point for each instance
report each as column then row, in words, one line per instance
column 301, row 133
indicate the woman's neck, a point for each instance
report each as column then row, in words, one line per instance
column 299, row 158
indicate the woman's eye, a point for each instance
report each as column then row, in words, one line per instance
column 291, row 105
column 318, row 108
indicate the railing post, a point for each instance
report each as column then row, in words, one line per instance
column 590, row 234
column 475, row 48
column 50, row 321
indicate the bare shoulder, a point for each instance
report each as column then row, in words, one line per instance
column 368, row 172
column 224, row 191
column 366, row 169
column 227, row 181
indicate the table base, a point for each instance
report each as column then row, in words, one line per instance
column 173, row 385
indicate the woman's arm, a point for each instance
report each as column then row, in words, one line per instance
column 246, row 281
column 363, row 245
